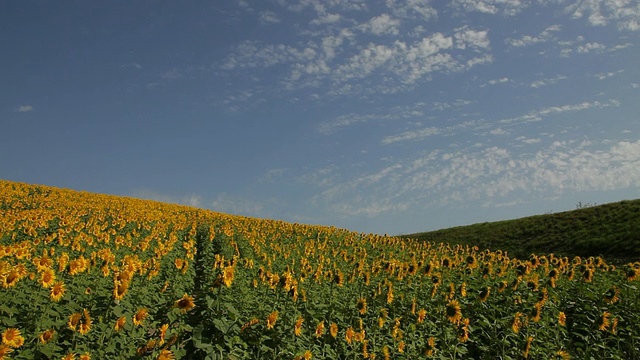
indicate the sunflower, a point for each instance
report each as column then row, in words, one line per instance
column 74, row 321
column 10, row 279
column 430, row 348
column 320, row 329
column 46, row 336
column 536, row 312
column 120, row 289
column 227, row 275
column 362, row 306
column 163, row 332
column 603, row 322
column 463, row 332
column 120, row 323
column 297, row 328
column 185, row 303
column 12, row 338
column 612, row 295
column 70, row 356
column 349, row 334
column 463, row 289
column 614, row 325
column 47, row 278
column 166, row 355
column 562, row 319
column 484, row 293
column 517, row 323
column 4, row 350
column 249, row 324
column 422, row 314
column 85, row 356
column 527, row 347
column 271, row 320
column 57, row 291
column 139, row 317
column 562, row 355
column 333, row 330
column 85, row 326
column 453, row 311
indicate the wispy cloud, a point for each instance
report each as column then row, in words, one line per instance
column 269, row 17
column 526, row 40
column 538, row 115
column 502, row 80
column 626, row 14
column 392, row 66
column 24, row 108
column 493, row 174
column 381, row 25
column 411, row 135
column 503, row 7
column 549, row 81
column 606, row 75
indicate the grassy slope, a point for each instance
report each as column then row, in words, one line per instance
column 610, row 230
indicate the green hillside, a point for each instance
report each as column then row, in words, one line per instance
column 610, row 230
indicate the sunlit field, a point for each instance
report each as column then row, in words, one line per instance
column 89, row 276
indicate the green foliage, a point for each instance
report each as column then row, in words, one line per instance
column 610, row 230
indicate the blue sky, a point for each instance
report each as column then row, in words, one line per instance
column 393, row 116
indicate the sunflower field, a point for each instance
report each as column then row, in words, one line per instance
column 89, row 276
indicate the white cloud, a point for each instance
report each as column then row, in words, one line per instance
column 606, row 75
column 469, row 37
column 591, row 47
column 413, row 9
column 502, row 80
column 527, row 140
column 498, row 131
column 397, row 66
column 411, row 135
column 24, row 108
column 550, row 81
column 249, row 55
column 526, row 40
column 625, row 13
column 489, row 174
column 503, row 7
column 381, row 25
column 327, row 19
column 269, row 17
column 538, row 115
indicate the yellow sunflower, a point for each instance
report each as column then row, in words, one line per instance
column 333, row 330
column 12, row 338
column 47, row 278
column 57, row 291
column 271, row 320
column 46, row 336
column 120, row 323
column 185, row 303
column 320, row 329
column 139, row 317
column 453, row 311
column 166, row 355
column 297, row 329
column 362, row 306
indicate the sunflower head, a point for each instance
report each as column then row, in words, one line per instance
column 185, row 303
